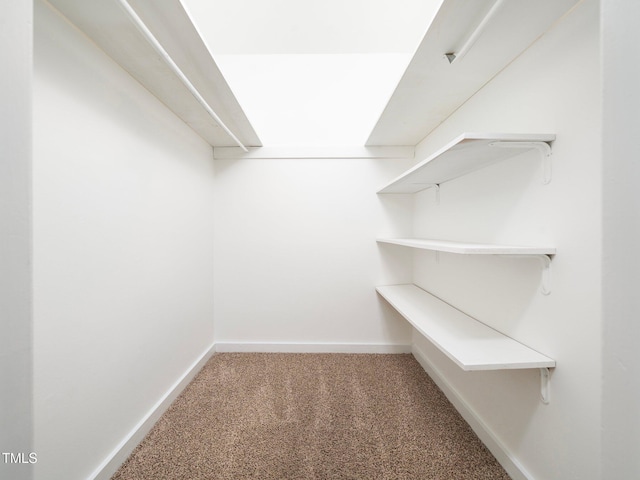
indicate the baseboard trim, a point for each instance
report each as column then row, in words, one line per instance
column 117, row 457
column 311, row 347
column 513, row 467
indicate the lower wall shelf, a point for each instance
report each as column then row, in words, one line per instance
column 471, row 344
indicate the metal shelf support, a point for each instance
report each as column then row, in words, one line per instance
column 545, row 153
column 432, row 185
column 545, row 385
column 546, row 274
column 545, row 283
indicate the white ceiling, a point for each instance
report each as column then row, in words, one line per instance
column 233, row 27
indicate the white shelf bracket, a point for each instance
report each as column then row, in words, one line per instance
column 545, row 385
column 431, row 185
column 437, row 187
column 545, row 283
column 543, row 147
column 546, row 274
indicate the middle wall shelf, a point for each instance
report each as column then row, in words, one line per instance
column 543, row 253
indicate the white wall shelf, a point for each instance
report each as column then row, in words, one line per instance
column 467, row 153
column 109, row 25
column 432, row 88
column 468, row 248
column 469, row 343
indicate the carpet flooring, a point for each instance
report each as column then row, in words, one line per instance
column 311, row 416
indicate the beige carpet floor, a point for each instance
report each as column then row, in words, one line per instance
column 311, row 416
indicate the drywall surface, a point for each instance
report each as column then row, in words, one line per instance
column 123, row 264
column 621, row 217
column 295, row 252
column 15, row 239
column 554, row 87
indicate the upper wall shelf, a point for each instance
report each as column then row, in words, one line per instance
column 468, row 248
column 465, row 154
column 431, row 88
column 107, row 23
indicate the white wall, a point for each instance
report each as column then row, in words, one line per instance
column 554, row 87
column 123, row 264
column 16, row 427
column 295, row 252
column 621, row 216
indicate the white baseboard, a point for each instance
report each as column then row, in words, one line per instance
column 311, row 348
column 515, row 470
column 117, row 457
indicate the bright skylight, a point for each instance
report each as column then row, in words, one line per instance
column 311, row 72
column 313, row 99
